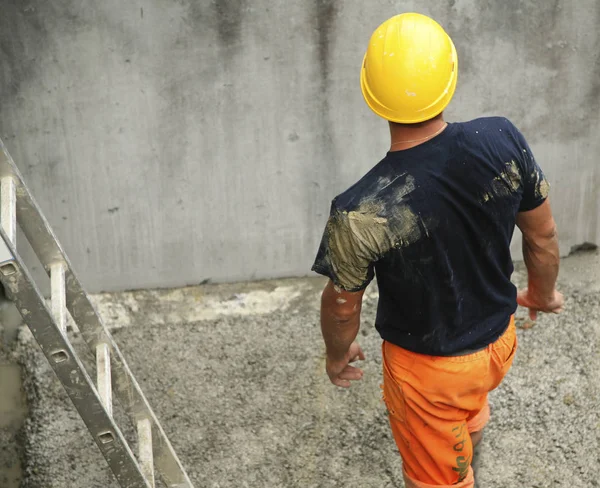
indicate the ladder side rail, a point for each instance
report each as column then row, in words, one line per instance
column 64, row 361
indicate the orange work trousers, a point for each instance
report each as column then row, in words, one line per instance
column 435, row 403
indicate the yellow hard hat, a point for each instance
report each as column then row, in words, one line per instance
column 410, row 69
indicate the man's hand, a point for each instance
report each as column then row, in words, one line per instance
column 535, row 304
column 340, row 372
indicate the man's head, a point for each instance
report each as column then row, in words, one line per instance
column 410, row 69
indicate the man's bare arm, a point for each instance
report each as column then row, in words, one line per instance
column 340, row 322
column 542, row 258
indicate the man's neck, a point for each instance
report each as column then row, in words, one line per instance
column 405, row 136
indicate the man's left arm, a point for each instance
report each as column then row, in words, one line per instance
column 340, row 322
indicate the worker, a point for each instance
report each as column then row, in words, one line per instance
column 433, row 221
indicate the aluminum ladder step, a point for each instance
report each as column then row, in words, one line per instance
column 93, row 400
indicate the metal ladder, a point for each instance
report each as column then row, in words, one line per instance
column 92, row 401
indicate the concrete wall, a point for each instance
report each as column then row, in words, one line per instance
column 175, row 141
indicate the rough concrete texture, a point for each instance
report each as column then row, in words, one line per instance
column 172, row 142
column 13, row 409
column 13, row 412
column 236, row 375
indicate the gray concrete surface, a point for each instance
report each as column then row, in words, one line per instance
column 235, row 373
column 13, row 412
column 172, row 142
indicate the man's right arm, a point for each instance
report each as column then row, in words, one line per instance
column 541, row 255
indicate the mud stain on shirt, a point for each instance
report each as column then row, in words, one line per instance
column 508, row 181
column 359, row 238
column 542, row 189
column 505, row 184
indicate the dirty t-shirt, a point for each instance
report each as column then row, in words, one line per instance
column 434, row 224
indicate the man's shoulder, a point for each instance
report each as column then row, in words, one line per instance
column 487, row 124
column 496, row 132
column 350, row 198
column 380, row 182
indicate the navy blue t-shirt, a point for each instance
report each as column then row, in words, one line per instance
column 434, row 224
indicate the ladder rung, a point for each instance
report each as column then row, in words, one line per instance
column 104, row 376
column 8, row 214
column 58, row 293
column 146, row 456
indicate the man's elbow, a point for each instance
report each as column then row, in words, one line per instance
column 338, row 311
column 542, row 244
column 340, row 306
column 543, row 236
column 341, row 315
column 552, row 232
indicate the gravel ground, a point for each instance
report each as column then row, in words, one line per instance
column 236, row 375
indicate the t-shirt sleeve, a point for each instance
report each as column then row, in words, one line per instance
column 345, row 254
column 535, row 184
